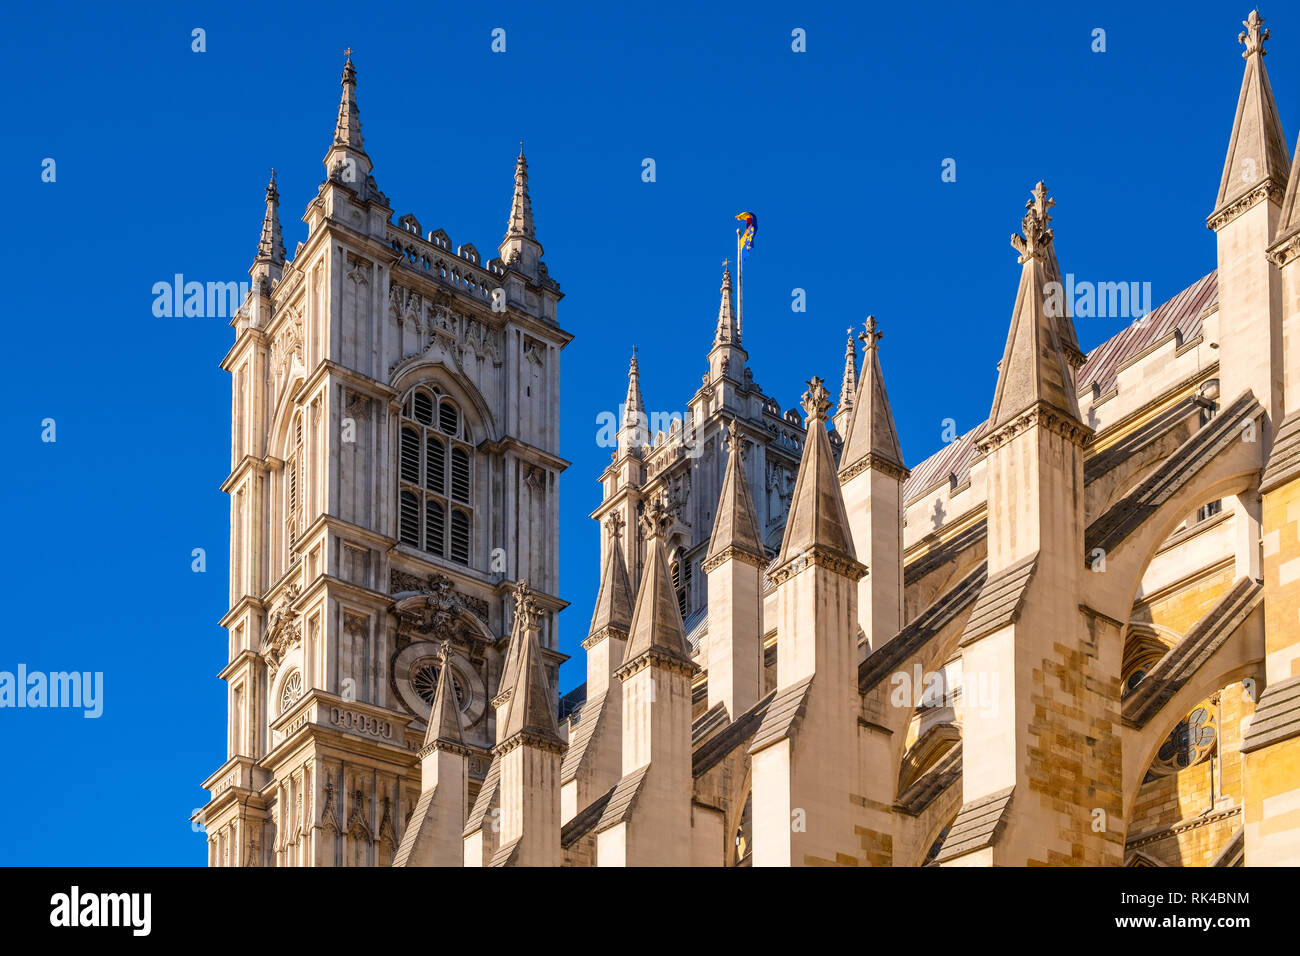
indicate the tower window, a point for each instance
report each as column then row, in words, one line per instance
column 294, row 468
column 435, row 470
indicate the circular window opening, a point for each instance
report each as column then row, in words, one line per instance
column 291, row 691
column 424, row 680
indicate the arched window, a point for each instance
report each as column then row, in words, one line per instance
column 436, row 475
column 293, row 477
column 681, row 579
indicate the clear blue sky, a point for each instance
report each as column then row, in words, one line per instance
column 162, row 157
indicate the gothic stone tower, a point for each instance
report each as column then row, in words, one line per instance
column 394, row 468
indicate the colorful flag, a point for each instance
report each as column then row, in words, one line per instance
column 747, row 239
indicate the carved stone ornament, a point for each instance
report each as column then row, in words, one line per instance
column 434, row 618
column 283, row 631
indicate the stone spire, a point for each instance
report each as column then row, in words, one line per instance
column 433, row 833
column 520, row 249
column 614, row 601
column 657, row 629
column 1034, row 369
column 725, row 333
column 270, row 247
column 346, row 161
column 444, row 717
column 528, row 709
column 734, row 564
column 871, row 436
column 1257, row 154
column 726, row 356
column 817, row 520
column 347, row 131
column 1062, row 312
column 635, row 426
column 735, row 528
column 521, row 206
column 848, row 386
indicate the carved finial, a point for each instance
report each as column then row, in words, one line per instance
column 655, row 517
column 1253, row 36
column 871, row 333
column 526, row 605
column 734, row 442
column 1034, row 226
column 815, row 402
column 614, row 525
column 348, row 52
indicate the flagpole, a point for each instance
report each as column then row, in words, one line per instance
column 740, row 290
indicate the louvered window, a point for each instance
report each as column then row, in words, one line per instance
column 436, row 467
column 294, row 491
column 410, row 519
column 435, row 524
column 411, row 455
column 460, row 536
column 435, row 472
column 460, row 475
column 449, row 418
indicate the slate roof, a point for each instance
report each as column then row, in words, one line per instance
column 1180, row 315
column 1109, row 530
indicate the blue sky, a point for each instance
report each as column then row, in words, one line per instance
column 162, row 156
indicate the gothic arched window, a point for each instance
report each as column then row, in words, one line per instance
column 435, row 472
column 294, row 468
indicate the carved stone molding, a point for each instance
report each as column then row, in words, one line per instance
column 1265, row 190
column 1041, row 416
column 441, row 588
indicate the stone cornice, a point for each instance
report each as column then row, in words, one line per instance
column 528, row 739
column 654, row 657
column 1042, row 416
column 1214, row 816
column 732, row 553
column 871, row 460
column 525, row 452
column 819, row 557
column 246, row 464
column 446, row 746
column 609, row 630
column 1285, row 250
column 1268, row 189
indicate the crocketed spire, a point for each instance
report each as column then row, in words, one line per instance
column 1257, row 152
column 527, row 710
column 270, row 247
column 521, row 206
column 1034, row 369
column 871, row 436
column 726, row 332
column 614, row 601
column 347, row 131
column 735, row 529
column 817, row 518
column 444, row 718
column 657, row 627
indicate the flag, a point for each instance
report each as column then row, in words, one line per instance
column 747, row 239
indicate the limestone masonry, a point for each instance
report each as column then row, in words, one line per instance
column 1070, row 637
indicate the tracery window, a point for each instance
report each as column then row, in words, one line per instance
column 435, row 472
column 291, row 690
